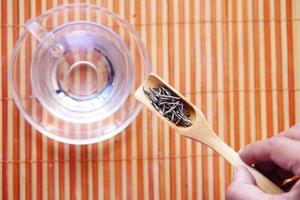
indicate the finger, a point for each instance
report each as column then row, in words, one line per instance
column 244, row 187
column 292, row 133
column 295, row 191
column 283, row 151
column 242, row 176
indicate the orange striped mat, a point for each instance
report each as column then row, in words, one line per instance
column 239, row 61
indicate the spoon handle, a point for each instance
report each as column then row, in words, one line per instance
column 205, row 135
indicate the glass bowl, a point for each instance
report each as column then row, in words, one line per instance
column 73, row 73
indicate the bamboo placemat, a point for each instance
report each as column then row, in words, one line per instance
column 239, row 61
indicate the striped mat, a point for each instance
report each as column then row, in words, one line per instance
column 238, row 61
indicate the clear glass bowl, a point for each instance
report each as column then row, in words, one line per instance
column 73, row 73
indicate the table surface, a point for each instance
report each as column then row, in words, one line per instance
column 236, row 60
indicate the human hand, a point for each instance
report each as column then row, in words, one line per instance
column 278, row 158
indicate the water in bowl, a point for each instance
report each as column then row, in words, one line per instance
column 88, row 78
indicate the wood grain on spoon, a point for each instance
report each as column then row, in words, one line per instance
column 201, row 131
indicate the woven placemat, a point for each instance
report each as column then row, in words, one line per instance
column 237, row 60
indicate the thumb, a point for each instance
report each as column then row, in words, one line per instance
column 244, row 187
column 242, row 176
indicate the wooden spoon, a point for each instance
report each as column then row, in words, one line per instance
column 201, row 131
